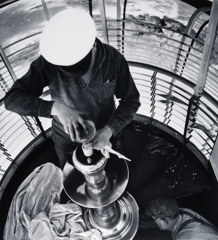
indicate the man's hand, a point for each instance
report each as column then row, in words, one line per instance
column 101, row 139
column 71, row 119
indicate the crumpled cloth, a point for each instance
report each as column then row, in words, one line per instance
column 63, row 222
column 36, row 213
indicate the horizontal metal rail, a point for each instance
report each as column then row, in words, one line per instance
column 166, row 101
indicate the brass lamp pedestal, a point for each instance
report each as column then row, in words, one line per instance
column 98, row 184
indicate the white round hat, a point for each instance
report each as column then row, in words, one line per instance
column 68, row 37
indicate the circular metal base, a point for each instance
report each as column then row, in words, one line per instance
column 127, row 224
column 75, row 184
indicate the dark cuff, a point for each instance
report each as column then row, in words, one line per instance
column 45, row 108
column 115, row 127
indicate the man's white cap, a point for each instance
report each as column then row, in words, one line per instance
column 68, row 37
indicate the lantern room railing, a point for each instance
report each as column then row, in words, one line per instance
column 164, row 63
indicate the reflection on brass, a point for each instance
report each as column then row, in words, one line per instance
column 98, row 185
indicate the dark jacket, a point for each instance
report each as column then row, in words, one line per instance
column 191, row 226
column 110, row 77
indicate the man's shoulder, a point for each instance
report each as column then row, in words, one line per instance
column 191, row 214
column 110, row 50
column 41, row 63
column 42, row 60
column 186, row 210
column 194, row 226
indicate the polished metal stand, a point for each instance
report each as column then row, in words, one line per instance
column 98, row 184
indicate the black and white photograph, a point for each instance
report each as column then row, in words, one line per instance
column 109, row 119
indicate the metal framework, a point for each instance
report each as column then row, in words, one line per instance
column 187, row 32
column 184, row 105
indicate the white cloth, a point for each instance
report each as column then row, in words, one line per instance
column 108, row 149
column 36, row 213
column 63, row 222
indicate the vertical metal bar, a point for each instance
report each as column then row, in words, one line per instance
column 14, row 78
column 190, row 47
column 214, row 158
column 123, row 26
column 153, row 94
column 118, row 24
column 44, row 5
column 208, row 48
column 188, row 29
column 202, row 76
column 5, row 152
column 41, row 127
column 103, row 20
column 193, row 106
column 214, row 154
column 90, row 8
column 7, row 64
column 3, row 85
column 194, row 18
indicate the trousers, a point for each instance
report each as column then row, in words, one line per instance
column 64, row 150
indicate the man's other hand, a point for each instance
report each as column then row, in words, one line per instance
column 71, row 119
column 101, row 139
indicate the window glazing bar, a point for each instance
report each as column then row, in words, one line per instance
column 188, row 29
column 194, row 18
column 208, row 48
column 44, row 5
column 103, row 20
column 214, row 158
column 118, row 24
column 7, row 64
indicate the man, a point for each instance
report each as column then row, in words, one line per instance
column 83, row 76
column 184, row 224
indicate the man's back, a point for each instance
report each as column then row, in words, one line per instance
column 192, row 226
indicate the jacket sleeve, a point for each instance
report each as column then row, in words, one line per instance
column 23, row 97
column 128, row 96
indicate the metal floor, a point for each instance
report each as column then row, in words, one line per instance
column 159, row 166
